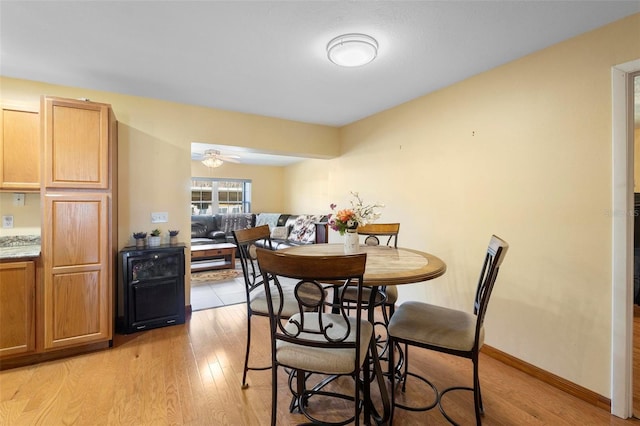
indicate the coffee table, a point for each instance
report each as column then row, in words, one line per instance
column 213, row 256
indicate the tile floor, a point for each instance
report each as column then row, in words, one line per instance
column 217, row 293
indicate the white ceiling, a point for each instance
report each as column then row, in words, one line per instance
column 269, row 57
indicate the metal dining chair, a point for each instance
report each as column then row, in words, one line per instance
column 255, row 295
column 446, row 330
column 387, row 296
column 374, row 232
column 312, row 342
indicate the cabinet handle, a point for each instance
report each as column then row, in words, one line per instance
column 140, row 327
column 171, row 321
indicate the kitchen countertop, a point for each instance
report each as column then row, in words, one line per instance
column 19, row 246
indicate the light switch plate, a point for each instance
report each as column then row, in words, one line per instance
column 159, row 217
column 7, row 221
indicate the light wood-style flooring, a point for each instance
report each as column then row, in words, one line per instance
column 190, row 375
column 636, row 360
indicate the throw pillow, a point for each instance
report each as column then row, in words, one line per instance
column 304, row 229
column 279, row 233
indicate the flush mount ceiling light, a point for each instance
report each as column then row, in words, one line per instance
column 352, row 50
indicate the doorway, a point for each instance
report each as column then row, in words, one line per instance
column 622, row 241
column 634, row 80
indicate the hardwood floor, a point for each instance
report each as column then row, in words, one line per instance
column 636, row 360
column 190, row 375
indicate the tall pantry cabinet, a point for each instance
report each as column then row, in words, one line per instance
column 79, row 239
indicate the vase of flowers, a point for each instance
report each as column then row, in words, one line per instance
column 346, row 221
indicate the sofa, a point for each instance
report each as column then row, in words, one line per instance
column 287, row 230
column 218, row 228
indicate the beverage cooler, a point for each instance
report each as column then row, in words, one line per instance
column 150, row 291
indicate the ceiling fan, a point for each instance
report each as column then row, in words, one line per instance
column 213, row 158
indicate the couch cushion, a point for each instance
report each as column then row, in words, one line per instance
column 198, row 230
column 270, row 219
column 283, row 220
column 231, row 222
column 202, row 226
column 280, row 233
column 304, row 229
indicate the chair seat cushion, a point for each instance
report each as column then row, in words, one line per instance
column 258, row 300
column 324, row 360
column 435, row 325
column 392, row 294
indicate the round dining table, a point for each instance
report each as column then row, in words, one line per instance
column 385, row 266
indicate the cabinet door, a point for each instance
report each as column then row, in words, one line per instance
column 17, row 308
column 19, row 149
column 77, row 269
column 76, row 143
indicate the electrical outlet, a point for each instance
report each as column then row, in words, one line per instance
column 7, row 221
column 18, row 199
column 159, row 217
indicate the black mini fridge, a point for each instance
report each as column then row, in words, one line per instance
column 151, row 288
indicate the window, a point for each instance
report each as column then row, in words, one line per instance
column 213, row 195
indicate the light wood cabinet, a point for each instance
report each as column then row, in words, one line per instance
column 19, row 149
column 78, row 284
column 76, row 143
column 17, row 308
column 79, row 222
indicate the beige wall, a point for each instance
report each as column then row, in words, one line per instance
column 154, row 142
column 522, row 151
column 154, row 146
column 26, row 219
column 266, row 182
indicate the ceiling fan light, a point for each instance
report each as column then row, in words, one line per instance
column 352, row 50
column 211, row 159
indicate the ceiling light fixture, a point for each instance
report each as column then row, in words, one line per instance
column 212, row 159
column 352, row 50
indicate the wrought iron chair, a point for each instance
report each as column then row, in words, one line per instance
column 312, row 342
column 387, row 295
column 446, row 330
column 374, row 232
column 256, row 297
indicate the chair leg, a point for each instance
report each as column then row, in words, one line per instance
column 477, row 396
column 274, row 394
column 403, row 377
column 391, row 309
column 392, row 376
column 366, row 391
column 246, row 355
column 301, row 378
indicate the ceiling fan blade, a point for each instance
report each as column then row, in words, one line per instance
column 213, row 153
column 230, row 159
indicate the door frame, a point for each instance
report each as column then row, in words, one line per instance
column 622, row 242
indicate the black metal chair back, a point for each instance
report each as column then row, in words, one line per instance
column 311, row 340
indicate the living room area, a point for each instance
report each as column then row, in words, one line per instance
column 220, row 207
